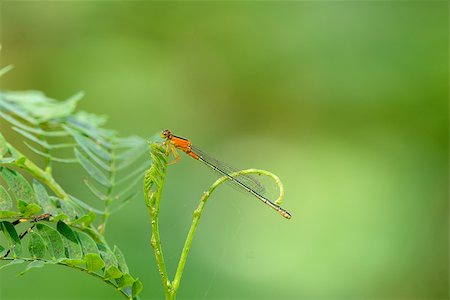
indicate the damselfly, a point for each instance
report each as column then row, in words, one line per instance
column 245, row 182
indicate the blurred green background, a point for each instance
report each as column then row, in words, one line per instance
column 346, row 101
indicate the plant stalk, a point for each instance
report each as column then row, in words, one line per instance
column 153, row 185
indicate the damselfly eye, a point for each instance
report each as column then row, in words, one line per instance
column 165, row 133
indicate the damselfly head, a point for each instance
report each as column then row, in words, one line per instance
column 166, row 134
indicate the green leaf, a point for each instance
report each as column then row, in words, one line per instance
column 68, row 209
column 95, row 191
column 87, row 243
column 66, row 232
column 85, row 220
column 20, row 161
column 60, row 217
column 52, row 239
column 120, row 260
column 19, row 187
column 70, row 241
column 45, row 109
column 22, row 205
column 31, row 210
column 43, row 199
column 74, row 262
column 36, row 245
column 3, row 146
column 96, row 159
column 37, row 131
column 85, row 206
column 41, row 142
column 23, row 98
column 92, row 170
column 52, row 157
column 99, row 137
column 41, row 193
column 125, row 281
column 112, row 272
column 8, row 160
column 5, row 199
column 13, row 121
column 89, row 146
column 63, row 207
column 32, row 138
column 107, row 256
column 96, row 236
column 94, row 262
column 28, row 209
column 33, row 264
column 6, row 214
column 16, row 110
column 13, row 262
column 89, row 120
column 137, row 288
column 12, row 237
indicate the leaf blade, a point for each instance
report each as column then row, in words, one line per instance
column 17, row 184
column 7, row 214
column 112, row 272
column 36, row 245
column 91, row 169
column 87, row 243
column 5, row 199
column 52, row 240
column 137, row 287
column 94, row 262
column 43, row 199
column 120, row 260
column 70, row 241
column 12, row 238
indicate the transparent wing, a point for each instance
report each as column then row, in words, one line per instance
column 248, row 180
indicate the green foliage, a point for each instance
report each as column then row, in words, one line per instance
column 5, row 199
column 36, row 245
column 12, row 238
column 53, row 241
column 40, row 222
column 18, row 186
column 94, row 262
column 155, row 176
column 51, row 129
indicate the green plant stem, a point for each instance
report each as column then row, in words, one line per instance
column 45, row 177
column 152, row 193
column 190, row 236
column 112, row 178
column 198, row 213
column 157, row 249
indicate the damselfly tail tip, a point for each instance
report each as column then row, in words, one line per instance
column 285, row 214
